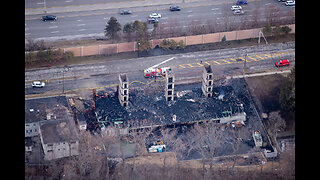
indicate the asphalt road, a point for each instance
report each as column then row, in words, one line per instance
column 226, row 62
column 88, row 24
column 60, row 3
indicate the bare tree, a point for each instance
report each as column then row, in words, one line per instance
column 275, row 123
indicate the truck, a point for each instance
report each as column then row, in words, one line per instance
column 157, row 146
column 155, row 71
column 257, row 138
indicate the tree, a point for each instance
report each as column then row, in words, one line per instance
column 276, row 31
column 267, row 29
column 128, row 30
column 286, row 30
column 287, row 92
column 112, row 28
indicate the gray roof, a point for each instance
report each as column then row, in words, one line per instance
column 62, row 130
column 37, row 109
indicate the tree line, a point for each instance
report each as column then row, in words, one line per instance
column 96, row 161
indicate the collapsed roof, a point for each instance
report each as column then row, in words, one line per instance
column 147, row 108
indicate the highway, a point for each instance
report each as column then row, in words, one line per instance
column 80, row 20
column 188, row 66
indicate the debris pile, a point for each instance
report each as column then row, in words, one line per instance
column 147, row 109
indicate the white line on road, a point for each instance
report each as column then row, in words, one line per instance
column 81, row 29
column 81, row 24
column 51, row 27
column 54, row 31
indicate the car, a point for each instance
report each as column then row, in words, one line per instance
column 125, row 11
column 290, row 3
column 238, row 12
column 235, row 7
column 175, row 8
column 284, row 62
column 242, row 2
column 38, row 84
column 155, row 15
column 152, row 20
column 49, row 17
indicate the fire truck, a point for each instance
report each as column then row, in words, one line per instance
column 154, row 71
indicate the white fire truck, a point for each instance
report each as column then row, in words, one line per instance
column 154, row 71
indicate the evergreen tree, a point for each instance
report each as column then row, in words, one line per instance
column 112, row 28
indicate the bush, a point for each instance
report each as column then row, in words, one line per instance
column 173, row 44
column 181, row 45
column 165, row 44
column 224, row 39
column 285, row 29
column 48, row 56
column 68, row 55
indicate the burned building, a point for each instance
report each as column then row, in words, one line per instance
column 207, row 81
column 169, row 92
column 151, row 109
column 123, row 90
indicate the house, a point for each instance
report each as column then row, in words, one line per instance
column 59, row 139
column 51, row 119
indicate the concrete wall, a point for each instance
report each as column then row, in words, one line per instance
column 108, row 49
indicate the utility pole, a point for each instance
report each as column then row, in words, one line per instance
column 244, row 63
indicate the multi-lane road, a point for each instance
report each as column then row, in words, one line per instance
column 79, row 19
column 187, row 66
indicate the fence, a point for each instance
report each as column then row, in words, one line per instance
column 107, row 49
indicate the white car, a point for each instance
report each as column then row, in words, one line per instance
column 235, row 7
column 155, row 15
column 238, row 12
column 38, row 84
column 290, row 3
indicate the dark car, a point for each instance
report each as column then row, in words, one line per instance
column 175, row 8
column 123, row 12
column 242, row 2
column 152, row 20
column 49, row 17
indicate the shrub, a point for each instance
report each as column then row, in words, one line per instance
column 181, row 45
column 165, row 44
column 224, row 39
column 285, row 29
column 173, row 44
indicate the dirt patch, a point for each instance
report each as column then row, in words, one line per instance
column 265, row 91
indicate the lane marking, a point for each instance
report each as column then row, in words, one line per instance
column 216, row 62
column 182, row 66
column 226, row 61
